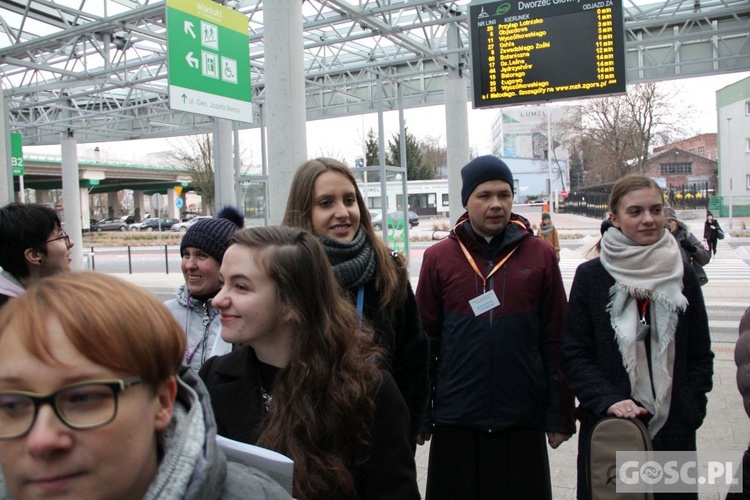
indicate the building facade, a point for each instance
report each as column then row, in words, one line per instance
column 682, row 172
column 705, row 145
column 733, row 113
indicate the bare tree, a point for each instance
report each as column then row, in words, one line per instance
column 331, row 152
column 434, row 155
column 613, row 135
column 195, row 153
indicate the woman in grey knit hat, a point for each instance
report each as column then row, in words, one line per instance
column 202, row 250
column 325, row 200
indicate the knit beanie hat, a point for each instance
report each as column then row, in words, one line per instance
column 545, row 215
column 669, row 213
column 482, row 169
column 212, row 235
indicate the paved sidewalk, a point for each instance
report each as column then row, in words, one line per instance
column 726, row 428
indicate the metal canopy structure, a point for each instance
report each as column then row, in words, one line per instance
column 98, row 68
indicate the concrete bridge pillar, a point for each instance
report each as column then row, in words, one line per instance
column 172, row 210
column 85, row 210
column 113, row 205
column 138, row 205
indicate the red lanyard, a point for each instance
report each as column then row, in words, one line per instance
column 644, row 307
column 644, row 310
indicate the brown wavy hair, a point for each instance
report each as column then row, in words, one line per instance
column 323, row 400
column 110, row 321
column 390, row 280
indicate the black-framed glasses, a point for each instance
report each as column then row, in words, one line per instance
column 81, row 406
column 64, row 236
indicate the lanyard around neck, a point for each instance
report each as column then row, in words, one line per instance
column 476, row 269
column 360, row 304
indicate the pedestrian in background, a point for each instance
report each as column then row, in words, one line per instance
column 712, row 232
column 691, row 249
column 33, row 245
column 202, row 249
column 492, row 302
column 635, row 341
column 324, row 199
column 306, row 381
column 548, row 233
column 92, row 406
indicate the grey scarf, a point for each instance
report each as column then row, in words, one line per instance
column 546, row 229
column 354, row 262
column 654, row 272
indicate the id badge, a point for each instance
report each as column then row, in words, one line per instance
column 483, row 303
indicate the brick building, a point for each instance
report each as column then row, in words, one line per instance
column 681, row 170
column 704, row 145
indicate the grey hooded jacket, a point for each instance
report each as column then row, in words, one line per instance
column 202, row 324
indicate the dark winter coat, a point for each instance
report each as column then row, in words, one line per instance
column 742, row 359
column 711, row 231
column 500, row 369
column 593, row 364
column 386, row 470
column 697, row 252
column 594, row 368
column 405, row 344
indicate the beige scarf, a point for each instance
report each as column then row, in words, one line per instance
column 653, row 272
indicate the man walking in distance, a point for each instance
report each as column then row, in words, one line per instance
column 492, row 302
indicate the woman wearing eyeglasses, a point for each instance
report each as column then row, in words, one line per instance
column 92, row 406
column 33, row 245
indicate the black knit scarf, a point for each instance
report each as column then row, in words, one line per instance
column 354, row 262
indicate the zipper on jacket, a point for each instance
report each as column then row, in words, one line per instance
column 491, row 286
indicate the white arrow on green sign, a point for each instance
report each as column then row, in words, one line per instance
column 16, row 153
column 209, row 60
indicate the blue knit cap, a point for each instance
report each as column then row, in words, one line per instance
column 482, row 169
column 212, row 235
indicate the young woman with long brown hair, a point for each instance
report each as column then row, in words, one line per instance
column 324, row 199
column 306, row 382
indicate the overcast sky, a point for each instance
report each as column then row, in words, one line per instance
column 343, row 137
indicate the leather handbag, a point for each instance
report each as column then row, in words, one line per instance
column 702, row 277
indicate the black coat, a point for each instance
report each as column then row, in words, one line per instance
column 711, row 231
column 594, row 368
column 405, row 344
column 386, row 469
column 593, row 364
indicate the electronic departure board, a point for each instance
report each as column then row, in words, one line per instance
column 540, row 50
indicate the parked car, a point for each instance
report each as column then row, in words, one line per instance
column 152, row 224
column 110, row 224
column 393, row 217
column 185, row 225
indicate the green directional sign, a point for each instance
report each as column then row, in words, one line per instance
column 16, row 153
column 209, row 60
